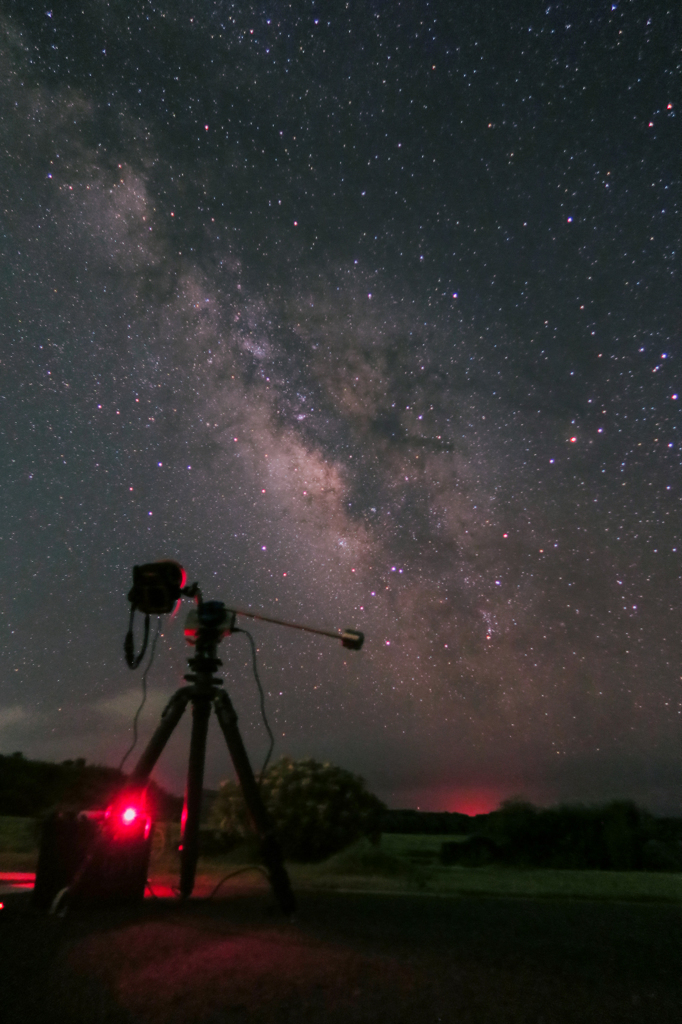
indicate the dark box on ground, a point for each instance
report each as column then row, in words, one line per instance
column 103, row 867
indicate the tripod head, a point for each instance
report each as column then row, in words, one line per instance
column 205, row 627
column 209, row 622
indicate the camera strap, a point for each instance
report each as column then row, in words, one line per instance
column 133, row 660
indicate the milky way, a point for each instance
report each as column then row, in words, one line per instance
column 369, row 314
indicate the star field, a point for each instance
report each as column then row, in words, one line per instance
column 369, row 315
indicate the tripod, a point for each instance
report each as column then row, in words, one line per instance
column 205, row 692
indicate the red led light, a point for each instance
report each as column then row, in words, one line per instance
column 126, row 821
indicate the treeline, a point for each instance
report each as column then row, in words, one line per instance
column 432, row 823
column 30, row 789
column 618, row 836
column 614, row 836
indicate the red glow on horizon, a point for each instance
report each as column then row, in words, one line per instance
column 476, row 804
column 477, row 800
column 469, row 800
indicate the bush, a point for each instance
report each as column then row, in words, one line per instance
column 317, row 809
column 617, row 836
column 31, row 788
column 435, row 823
column 661, row 856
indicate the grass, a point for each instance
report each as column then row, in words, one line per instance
column 389, row 869
column 18, row 835
column 18, row 844
column 400, row 864
column 410, row 845
column 10, row 861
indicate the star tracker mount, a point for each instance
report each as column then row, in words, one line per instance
column 157, row 589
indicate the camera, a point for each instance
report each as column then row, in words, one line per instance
column 157, row 587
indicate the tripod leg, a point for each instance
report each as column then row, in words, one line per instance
column 271, row 853
column 170, row 717
column 195, row 781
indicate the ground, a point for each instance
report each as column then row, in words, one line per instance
column 392, row 958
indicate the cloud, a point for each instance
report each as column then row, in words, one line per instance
column 12, row 716
column 122, row 707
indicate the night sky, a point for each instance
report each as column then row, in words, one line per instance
column 369, row 314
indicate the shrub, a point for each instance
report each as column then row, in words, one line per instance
column 611, row 837
column 31, row 788
column 658, row 855
column 317, row 809
column 621, row 835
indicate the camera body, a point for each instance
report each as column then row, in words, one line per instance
column 157, row 587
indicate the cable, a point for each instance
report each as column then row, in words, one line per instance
column 233, row 874
column 148, row 885
column 59, row 901
column 144, row 695
column 133, row 660
column 262, row 701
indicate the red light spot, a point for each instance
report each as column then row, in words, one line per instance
column 573, row 440
column 129, row 815
column 470, row 801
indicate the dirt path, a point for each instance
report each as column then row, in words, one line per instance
column 347, row 958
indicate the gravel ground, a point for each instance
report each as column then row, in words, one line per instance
column 348, row 957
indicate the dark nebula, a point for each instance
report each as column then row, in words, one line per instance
column 369, row 314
